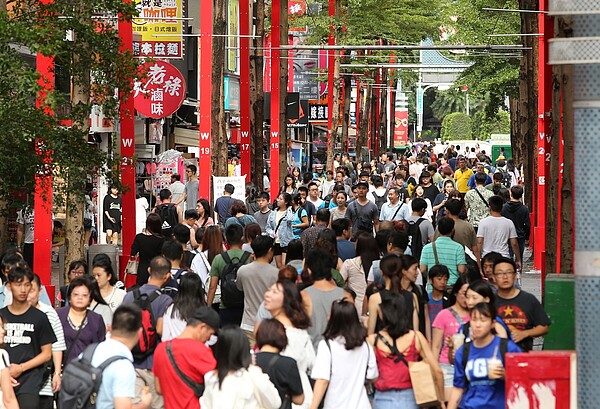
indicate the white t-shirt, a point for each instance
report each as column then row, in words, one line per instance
column 172, row 326
column 496, row 233
column 345, row 373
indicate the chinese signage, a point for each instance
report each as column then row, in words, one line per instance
column 159, row 25
column 161, row 92
column 400, row 128
column 318, row 113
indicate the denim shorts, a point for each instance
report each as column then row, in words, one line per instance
column 448, row 371
column 395, row 399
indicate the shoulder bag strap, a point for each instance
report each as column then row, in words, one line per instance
column 393, row 349
column 435, row 255
column 458, row 318
column 481, row 196
column 397, row 210
column 280, row 220
column 68, row 351
column 197, row 388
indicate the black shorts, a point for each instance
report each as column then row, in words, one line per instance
column 278, row 250
column 114, row 227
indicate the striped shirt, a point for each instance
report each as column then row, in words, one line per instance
column 450, row 254
column 59, row 345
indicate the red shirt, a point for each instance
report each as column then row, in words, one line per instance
column 394, row 375
column 194, row 359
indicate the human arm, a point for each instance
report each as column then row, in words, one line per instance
column 57, row 357
column 20, row 234
column 298, row 399
column 159, row 325
column 427, row 322
column 423, row 269
column 455, row 398
column 212, row 288
column 157, row 385
column 179, row 214
column 306, row 302
column 126, row 403
column 374, row 302
column 437, row 336
column 319, row 392
column 376, row 224
column 135, row 247
column 480, row 243
column 303, row 222
column 415, row 312
column 44, row 356
column 537, row 331
column 514, row 244
column 8, row 394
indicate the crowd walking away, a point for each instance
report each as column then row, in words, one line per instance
column 394, row 283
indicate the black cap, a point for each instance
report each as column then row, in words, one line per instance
column 208, row 316
column 363, row 183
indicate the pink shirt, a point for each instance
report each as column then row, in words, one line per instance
column 449, row 325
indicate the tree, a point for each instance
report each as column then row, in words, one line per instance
column 257, row 97
column 218, row 148
column 484, row 127
column 456, row 126
column 447, row 102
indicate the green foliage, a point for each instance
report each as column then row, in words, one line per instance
column 447, row 102
column 94, row 65
column 456, row 126
column 483, row 126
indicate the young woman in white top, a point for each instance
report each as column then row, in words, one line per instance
column 189, row 298
column 236, row 384
column 103, row 271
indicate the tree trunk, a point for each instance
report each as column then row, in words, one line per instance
column 257, row 98
column 283, row 80
column 363, row 126
column 218, row 127
column 335, row 114
column 3, row 225
column 566, row 216
column 347, row 102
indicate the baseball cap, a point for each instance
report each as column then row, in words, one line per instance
column 208, row 316
column 362, row 183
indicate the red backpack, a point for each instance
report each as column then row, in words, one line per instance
column 149, row 338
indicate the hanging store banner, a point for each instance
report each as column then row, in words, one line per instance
column 400, row 128
column 160, row 91
column 159, row 26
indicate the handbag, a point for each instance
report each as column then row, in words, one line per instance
column 132, row 266
column 421, row 377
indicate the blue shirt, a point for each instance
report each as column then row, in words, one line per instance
column 345, row 249
column 434, row 307
column 479, row 390
column 298, row 215
column 471, row 182
column 118, row 379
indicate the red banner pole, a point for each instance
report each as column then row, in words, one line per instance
column 205, row 99
column 42, row 198
column 330, row 80
column 127, row 136
column 245, row 88
column 275, row 94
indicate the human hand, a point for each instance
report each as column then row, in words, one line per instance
column 56, row 380
column 146, row 397
column 14, row 382
column 518, row 335
column 15, row 370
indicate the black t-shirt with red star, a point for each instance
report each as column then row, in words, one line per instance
column 522, row 312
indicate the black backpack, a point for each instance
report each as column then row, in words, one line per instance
column 81, row 381
column 149, row 338
column 380, row 200
column 231, row 296
column 168, row 215
column 415, row 241
column 506, row 177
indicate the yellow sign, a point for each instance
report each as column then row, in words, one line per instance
column 159, row 26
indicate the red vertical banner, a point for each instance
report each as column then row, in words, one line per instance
column 245, row 88
column 400, row 128
column 205, row 99
column 544, row 134
column 330, row 80
column 275, row 94
column 42, row 202
column 127, row 137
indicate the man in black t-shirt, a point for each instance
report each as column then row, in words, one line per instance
column 224, row 203
column 28, row 339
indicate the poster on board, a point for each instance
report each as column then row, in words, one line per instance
column 238, row 182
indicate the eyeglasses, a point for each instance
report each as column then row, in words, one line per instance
column 504, row 273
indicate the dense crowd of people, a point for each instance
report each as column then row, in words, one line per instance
column 332, row 293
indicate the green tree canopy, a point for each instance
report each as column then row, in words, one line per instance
column 456, row 126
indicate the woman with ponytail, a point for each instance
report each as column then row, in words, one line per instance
column 391, row 267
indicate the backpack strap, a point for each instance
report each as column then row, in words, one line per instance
column 465, row 357
column 503, row 348
column 272, row 362
column 88, row 354
column 197, row 388
column 393, row 349
column 226, row 257
column 244, row 257
column 179, row 273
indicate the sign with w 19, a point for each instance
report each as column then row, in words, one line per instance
column 159, row 91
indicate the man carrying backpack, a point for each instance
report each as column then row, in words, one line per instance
column 379, row 195
column 420, row 230
column 169, row 213
column 224, row 269
column 153, row 304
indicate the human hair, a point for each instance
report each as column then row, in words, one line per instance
column 172, row 250
column 395, row 316
column 448, row 182
column 307, row 177
column 339, row 225
column 74, row 265
column 154, row 224
column 192, row 168
column 510, row 165
column 160, row 267
column 18, row 273
column 329, row 236
column 368, row 250
column 234, row 234
column 295, row 251
column 418, row 204
column 199, row 234
column 176, row 177
column 324, row 242
column 288, row 272
column 292, row 304
column 191, row 214
column 438, row 270
column 126, row 321
column 498, row 176
column 206, row 205
column 491, row 257
column 264, row 195
column 408, row 261
column 484, row 309
column 289, row 177
column 229, row 188
column 261, row 245
column 287, row 198
column 496, row 203
column 445, row 225
column 344, row 322
column 516, row 192
column 271, row 332
column 460, row 281
column 189, row 297
column 302, row 189
column 480, row 178
column 323, row 215
column 37, row 280
column 391, row 267
column 212, row 242
column 484, row 289
column 382, row 237
column 311, row 184
column 453, row 206
column 181, row 233
column 398, row 239
column 507, row 260
column 238, row 207
column 377, row 180
column 318, row 261
column 103, row 261
column 164, row 194
column 232, row 351
column 399, row 175
column 251, row 231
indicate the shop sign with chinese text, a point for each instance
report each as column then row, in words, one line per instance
column 159, row 26
column 160, row 91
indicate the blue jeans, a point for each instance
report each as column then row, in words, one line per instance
column 395, row 399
